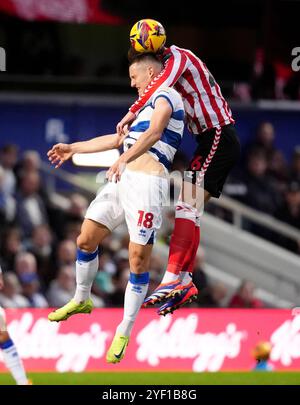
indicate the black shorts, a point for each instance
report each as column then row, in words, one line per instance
column 217, row 152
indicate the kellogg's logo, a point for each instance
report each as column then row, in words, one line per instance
column 42, row 339
column 286, row 341
column 161, row 339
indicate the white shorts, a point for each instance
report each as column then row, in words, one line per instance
column 138, row 198
column 2, row 320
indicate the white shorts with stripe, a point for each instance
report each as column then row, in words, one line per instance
column 138, row 199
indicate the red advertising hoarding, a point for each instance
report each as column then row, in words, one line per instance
column 189, row 340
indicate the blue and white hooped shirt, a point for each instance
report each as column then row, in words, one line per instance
column 164, row 149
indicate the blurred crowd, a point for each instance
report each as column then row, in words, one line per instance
column 267, row 182
column 38, row 234
column 269, row 78
column 46, row 51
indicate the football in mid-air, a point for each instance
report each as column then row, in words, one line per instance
column 147, row 36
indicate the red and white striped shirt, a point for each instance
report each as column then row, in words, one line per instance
column 204, row 105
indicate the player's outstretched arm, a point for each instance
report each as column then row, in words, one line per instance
column 159, row 121
column 62, row 152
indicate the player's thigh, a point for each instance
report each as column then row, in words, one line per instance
column 91, row 235
column 103, row 215
column 142, row 200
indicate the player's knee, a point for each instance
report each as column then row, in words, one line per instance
column 86, row 243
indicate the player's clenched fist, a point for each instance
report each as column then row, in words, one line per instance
column 59, row 154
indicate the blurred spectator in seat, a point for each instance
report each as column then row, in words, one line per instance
column 40, row 245
column 283, row 75
column 295, row 166
column 121, row 258
column 70, row 230
column 25, row 264
column 10, row 296
column 213, row 295
column 245, row 297
column 263, row 76
column 116, row 299
column 26, row 268
column 264, row 139
column 31, row 209
column 210, row 295
column 274, row 78
column 103, row 284
column 278, row 170
column 30, row 289
column 261, row 192
column 61, row 289
column 242, row 92
column 67, row 222
column 8, row 160
column 30, row 162
column 10, row 246
column 66, row 253
column 7, row 203
column 112, row 244
column 78, row 207
column 125, row 240
column 289, row 212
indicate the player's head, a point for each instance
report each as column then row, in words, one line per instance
column 148, row 35
column 143, row 68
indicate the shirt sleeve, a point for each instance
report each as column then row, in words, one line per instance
column 175, row 66
column 167, row 95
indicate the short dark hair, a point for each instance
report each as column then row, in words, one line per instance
column 9, row 147
column 134, row 56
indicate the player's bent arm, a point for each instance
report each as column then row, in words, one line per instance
column 98, row 144
column 159, row 121
column 61, row 152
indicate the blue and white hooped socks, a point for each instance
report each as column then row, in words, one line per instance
column 86, row 269
column 13, row 362
column 135, row 294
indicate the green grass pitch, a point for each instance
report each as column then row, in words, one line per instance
column 159, row 378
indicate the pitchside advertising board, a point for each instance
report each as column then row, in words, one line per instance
column 189, row 340
column 40, row 125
